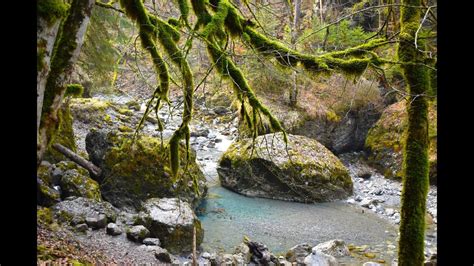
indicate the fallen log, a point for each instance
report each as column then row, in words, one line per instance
column 92, row 168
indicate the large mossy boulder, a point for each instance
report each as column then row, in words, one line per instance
column 77, row 182
column 135, row 172
column 304, row 171
column 386, row 139
column 172, row 221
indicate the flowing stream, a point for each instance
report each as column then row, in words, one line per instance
column 227, row 216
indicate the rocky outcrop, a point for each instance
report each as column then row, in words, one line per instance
column 385, row 141
column 304, row 171
column 343, row 133
column 133, row 173
column 172, row 221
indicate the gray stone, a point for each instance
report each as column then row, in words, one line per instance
column 151, row 241
column 314, row 174
column 78, row 208
column 137, row 233
column 113, row 229
column 96, row 222
column 371, row 263
column 335, row 248
column 81, row 227
column 350, row 201
column 221, row 110
column 244, row 251
column 389, row 211
column 172, row 221
column 366, row 202
column 200, row 133
column 206, row 255
column 163, row 255
column 298, row 253
column 317, row 258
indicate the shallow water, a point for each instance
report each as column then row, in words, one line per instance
column 227, row 216
column 281, row 225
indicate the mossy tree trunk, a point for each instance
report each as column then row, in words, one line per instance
column 415, row 162
column 65, row 55
column 46, row 32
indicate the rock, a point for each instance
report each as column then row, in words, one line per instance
column 200, row 133
column 81, row 227
column 77, row 209
column 317, row 258
column 389, row 211
column 97, row 222
column 363, row 171
column 244, row 251
column 298, row 253
column 432, row 260
column 371, row 263
column 335, row 248
column 113, row 229
column 344, row 133
column 206, row 255
column 137, row 233
column 313, row 174
column 75, row 182
column 384, row 141
column 221, row 110
column 46, row 196
column 163, row 255
column 139, row 172
column 366, row 202
column 351, row 201
column 172, row 221
column 151, row 241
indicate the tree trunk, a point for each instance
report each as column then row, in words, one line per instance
column 46, row 33
column 93, row 169
column 67, row 51
column 294, row 37
column 415, row 171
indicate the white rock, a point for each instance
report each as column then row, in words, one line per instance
column 317, row 258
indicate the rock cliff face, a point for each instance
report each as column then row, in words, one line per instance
column 311, row 173
column 340, row 134
column 385, row 141
column 131, row 174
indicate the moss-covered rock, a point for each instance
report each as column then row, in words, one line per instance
column 305, row 171
column 385, row 141
column 75, row 210
column 172, row 221
column 134, row 173
column 45, row 193
column 89, row 110
column 79, row 184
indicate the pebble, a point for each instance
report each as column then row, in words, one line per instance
column 389, row 211
column 81, row 227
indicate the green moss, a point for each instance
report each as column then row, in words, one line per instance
column 415, row 181
column 123, row 128
column 74, row 90
column 65, row 136
column 51, row 10
column 44, row 215
column 125, row 111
